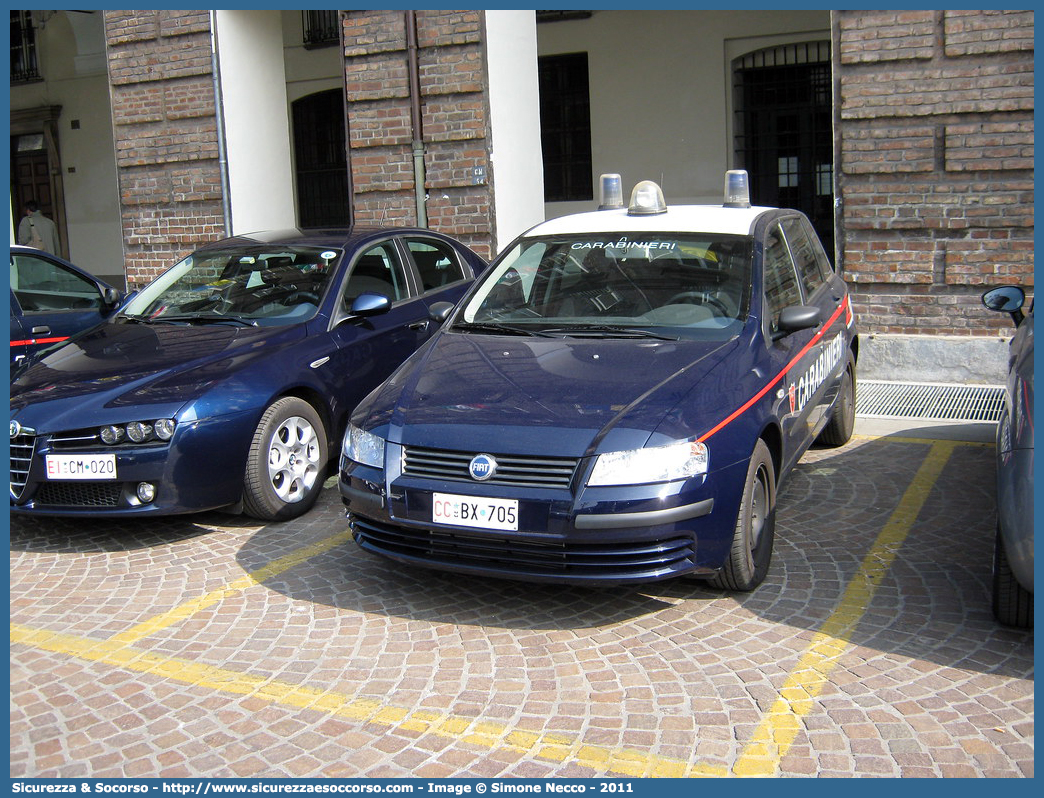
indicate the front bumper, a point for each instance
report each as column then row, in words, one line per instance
column 201, row 468
column 601, row 536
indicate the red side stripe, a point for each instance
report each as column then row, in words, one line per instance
column 39, row 341
column 746, row 405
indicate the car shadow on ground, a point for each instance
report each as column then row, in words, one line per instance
column 98, row 535
column 933, row 602
column 350, row 579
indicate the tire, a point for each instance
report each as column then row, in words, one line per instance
column 838, row 430
column 748, row 560
column 286, row 465
column 1012, row 603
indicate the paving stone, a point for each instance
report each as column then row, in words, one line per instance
column 406, row 672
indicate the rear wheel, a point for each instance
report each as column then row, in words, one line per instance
column 286, row 465
column 751, row 552
column 838, row 430
column 1012, row 603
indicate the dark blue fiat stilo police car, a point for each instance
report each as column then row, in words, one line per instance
column 616, row 401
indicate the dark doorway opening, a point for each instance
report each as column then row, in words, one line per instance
column 565, row 127
column 321, row 161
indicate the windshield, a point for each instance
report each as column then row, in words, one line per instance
column 255, row 284
column 683, row 285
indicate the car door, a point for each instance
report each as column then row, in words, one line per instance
column 18, row 337
column 441, row 272
column 55, row 302
column 791, row 353
column 363, row 349
column 821, row 288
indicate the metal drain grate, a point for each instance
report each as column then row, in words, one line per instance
column 929, row 401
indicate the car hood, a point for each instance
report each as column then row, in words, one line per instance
column 565, row 396
column 120, row 364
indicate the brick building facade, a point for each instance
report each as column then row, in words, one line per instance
column 933, row 146
column 934, row 121
column 455, row 113
column 163, row 90
column 165, row 130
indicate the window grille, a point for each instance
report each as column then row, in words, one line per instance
column 783, row 130
column 23, row 48
column 320, row 28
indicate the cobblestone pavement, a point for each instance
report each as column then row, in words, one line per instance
column 213, row 646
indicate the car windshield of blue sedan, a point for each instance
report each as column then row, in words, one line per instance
column 251, row 285
column 676, row 285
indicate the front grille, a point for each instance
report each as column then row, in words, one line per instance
column 513, row 556
column 519, row 471
column 22, row 448
column 76, row 439
column 76, row 494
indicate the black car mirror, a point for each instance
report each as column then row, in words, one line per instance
column 111, row 298
column 1006, row 299
column 370, row 304
column 798, row 317
column 440, row 311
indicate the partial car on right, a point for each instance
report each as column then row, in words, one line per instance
column 1013, row 555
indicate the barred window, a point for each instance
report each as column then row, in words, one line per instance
column 320, row 28
column 23, row 48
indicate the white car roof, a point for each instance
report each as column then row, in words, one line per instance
column 677, row 219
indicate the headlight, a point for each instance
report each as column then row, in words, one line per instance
column 164, row 428
column 161, row 429
column 139, row 431
column 112, row 434
column 363, row 447
column 655, row 464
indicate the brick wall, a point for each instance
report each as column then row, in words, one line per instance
column 454, row 117
column 165, row 132
column 935, row 168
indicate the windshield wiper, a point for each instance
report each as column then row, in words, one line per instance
column 496, row 328
column 189, row 318
column 135, row 319
column 609, row 331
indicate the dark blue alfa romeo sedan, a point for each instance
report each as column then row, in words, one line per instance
column 615, row 401
column 227, row 381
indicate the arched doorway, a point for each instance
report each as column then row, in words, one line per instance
column 783, row 131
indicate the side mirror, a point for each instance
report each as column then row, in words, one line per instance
column 440, row 311
column 111, row 298
column 1006, row 299
column 798, row 317
column 370, row 304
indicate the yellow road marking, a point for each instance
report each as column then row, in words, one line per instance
column 190, row 608
column 548, row 746
column 774, row 736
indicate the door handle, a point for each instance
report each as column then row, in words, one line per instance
column 42, row 330
column 419, row 325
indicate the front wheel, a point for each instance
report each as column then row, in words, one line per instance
column 748, row 560
column 286, row 464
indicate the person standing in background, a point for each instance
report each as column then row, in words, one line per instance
column 36, row 230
